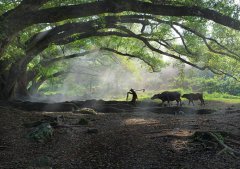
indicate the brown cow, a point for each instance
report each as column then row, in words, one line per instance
column 194, row 96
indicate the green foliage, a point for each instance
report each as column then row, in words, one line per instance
column 41, row 133
column 206, row 81
column 220, row 96
column 133, row 47
column 6, row 5
column 220, row 56
column 55, row 3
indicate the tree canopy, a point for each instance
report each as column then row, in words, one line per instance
column 36, row 37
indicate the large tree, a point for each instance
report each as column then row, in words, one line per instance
column 203, row 34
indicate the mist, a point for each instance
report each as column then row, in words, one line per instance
column 98, row 76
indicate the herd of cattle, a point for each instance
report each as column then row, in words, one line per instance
column 171, row 96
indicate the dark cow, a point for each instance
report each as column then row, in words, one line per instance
column 194, row 96
column 168, row 96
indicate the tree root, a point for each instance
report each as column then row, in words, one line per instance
column 206, row 137
column 226, row 148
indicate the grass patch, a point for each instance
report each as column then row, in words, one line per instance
column 224, row 100
column 224, row 97
column 146, row 96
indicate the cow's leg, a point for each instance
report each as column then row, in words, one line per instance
column 177, row 102
column 189, row 102
column 163, row 103
column 192, row 103
column 168, row 103
column 180, row 102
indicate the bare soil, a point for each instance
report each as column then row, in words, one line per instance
column 128, row 140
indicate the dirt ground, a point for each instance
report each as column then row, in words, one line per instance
column 127, row 140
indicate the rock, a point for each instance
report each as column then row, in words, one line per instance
column 85, row 111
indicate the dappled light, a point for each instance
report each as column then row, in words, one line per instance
column 140, row 121
column 179, row 145
column 174, row 133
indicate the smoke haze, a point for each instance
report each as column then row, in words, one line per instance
column 97, row 76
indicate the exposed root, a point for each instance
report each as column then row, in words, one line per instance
column 226, row 148
column 215, row 139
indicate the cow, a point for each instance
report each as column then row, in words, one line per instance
column 194, row 96
column 168, row 96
